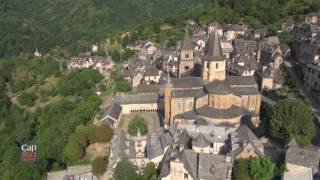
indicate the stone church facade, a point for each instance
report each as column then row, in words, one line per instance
column 213, row 98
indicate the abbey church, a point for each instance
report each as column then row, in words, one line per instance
column 213, row 98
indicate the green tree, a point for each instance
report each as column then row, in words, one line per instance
column 261, row 168
column 127, row 54
column 291, row 119
column 99, row 165
column 122, row 85
column 149, row 172
column 125, row 170
column 240, row 170
column 125, row 41
column 115, row 56
column 102, row 133
column 137, row 123
column 27, row 99
column 74, row 150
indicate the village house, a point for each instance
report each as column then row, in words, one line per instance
column 259, row 33
column 245, row 47
column 152, row 75
column 306, row 41
column 203, row 152
column 37, row 53
column 312, row 76
column 287, row 25
column 85, row 60
column 227, row 47
column 300, row 163
column 242, row 65
column 232, row 31
column 187, row 151
column 149, row 48
column 270, row 52
column 312, row 18
column 94, row 47
column 269, row 78
column 215, row 26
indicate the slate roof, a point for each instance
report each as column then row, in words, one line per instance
column 154, row 146
column 114, row 111
column 244, row 136
column 145, row 88
column 212, row 133
column 166, row 139
column 187, row 82
column 239, row 85
column 121, row 148
column 241, row 81
column 213, row 50
column 187, row 115
column 239, row 70
column 185, row 93
column 213, row 167
column 190, row 162
column 200, row 141
column 218, row 88
column 183, row 138
column 152, row 71
column 187, row 43
column 139, row 98
column 210, row 112
column 302, row 157
column 242, row 46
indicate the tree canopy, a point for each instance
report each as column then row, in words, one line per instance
column 291, row 119
column 125, row 170
column 99, row 165
column 261, row 168
column 148, row 172
column 137, row 123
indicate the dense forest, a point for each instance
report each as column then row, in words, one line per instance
column 72, row 24
column 75, row 25
column 44, row 104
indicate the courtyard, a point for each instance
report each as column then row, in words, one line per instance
column 151, row 118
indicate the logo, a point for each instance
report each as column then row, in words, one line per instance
column 28, row 152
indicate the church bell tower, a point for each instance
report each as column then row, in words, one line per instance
column 214, row 62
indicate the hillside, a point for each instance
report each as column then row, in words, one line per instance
column 73, row 24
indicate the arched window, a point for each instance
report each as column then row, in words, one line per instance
column 217, row 65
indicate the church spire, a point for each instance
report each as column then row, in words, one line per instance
column 213, row 49
column 186, row 42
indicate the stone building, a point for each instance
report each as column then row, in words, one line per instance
column 216, row 98
column 287, row 25
column 232, row 31
column 186, row 61
column 312, row 18
column 300, row 163
column 207, row 152
column 312, row 77
column 270, row 53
